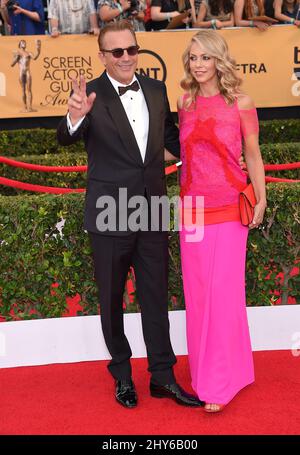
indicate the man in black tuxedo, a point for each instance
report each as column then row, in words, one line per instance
column 126, row 124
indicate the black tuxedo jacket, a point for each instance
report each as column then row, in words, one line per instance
column 114, row 159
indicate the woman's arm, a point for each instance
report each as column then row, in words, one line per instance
column 4, row 11
column 169, row 156
column 200, row 22
column 282, row 17
column 193, row 12
column 238, row 10
column 229, row 23
column 107, row 14
column 54, row 27
column 94, row 23
column 214, row 23
column 33, row 15
column 158, row 16
column 254, row 164
column 240, row 22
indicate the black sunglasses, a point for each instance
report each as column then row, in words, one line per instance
column 119, row 52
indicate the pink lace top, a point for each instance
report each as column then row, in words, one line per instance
column 211, row 134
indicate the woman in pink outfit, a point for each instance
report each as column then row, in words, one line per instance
column 215, row 119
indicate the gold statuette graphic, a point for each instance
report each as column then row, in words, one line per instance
column 23, row 58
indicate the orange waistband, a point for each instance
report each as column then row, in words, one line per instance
column 211, row 215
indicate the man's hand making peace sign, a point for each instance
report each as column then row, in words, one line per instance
column 79, row 103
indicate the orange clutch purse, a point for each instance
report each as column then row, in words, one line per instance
column 247, row 202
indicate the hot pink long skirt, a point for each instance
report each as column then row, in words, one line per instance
column 218, row 338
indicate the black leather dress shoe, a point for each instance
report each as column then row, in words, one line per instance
column 125, row 393
column 176, row 393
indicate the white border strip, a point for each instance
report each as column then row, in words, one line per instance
column 77, row 339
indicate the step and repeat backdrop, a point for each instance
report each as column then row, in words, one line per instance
column 42, row 67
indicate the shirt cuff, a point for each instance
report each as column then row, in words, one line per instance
column 72, row 129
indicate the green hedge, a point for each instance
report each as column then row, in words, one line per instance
column 37, row 141
column 272, row 153
column 275, row 248
column 43, row 141
column 277, row 131
column 34, row 255
column 282, row 153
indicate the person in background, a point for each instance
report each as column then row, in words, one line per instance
column 24, row 17
column 269, row 8
column 197, row 4
column 72, row 17
column 215, row 14
column 147, row 18
column 287, row 11
column 116, row 10
column 112, row 10
column 137, row 15
column 215, row 118
column 163, row 11
column 4, row 22
column 245, row 9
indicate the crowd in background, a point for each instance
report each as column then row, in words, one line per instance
column 56, row 17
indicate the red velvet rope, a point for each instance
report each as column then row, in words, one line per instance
column 56, row 190
column 168, row 170
column 171, row 169
column 38, row 188
column 41, row 168
column 281, row 167
column 276, row 179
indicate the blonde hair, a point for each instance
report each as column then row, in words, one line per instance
column 215, row 46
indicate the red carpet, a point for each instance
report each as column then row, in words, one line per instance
column 78, row 398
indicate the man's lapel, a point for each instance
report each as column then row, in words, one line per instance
column 154, row 117
column 119, row 117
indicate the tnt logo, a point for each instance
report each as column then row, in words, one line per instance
column 2, row 85
column 152, row 65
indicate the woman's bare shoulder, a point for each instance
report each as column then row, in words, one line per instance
column 244, row 101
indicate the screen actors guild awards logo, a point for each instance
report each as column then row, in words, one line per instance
column 23, row 58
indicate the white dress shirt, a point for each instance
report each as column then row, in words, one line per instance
column 135, row 107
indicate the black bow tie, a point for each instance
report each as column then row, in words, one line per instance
column 134, row 86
